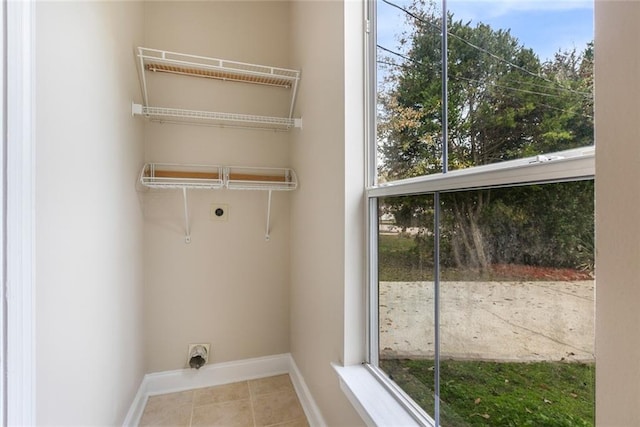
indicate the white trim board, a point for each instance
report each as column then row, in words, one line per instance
column 19, row 364
column 371, row 400
column 224, row 373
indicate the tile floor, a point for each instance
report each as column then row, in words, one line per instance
column 263, row 402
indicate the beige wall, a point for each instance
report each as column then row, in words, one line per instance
column 325, row 208
column 229, row 286
column 617, row 80
column 89, row 240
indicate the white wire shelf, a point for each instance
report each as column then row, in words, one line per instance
column 276, row 179
column 214, row 68
column 154, row 60
column 208, row 177
column 186, row 177
column 176, row 115
column 175, row 176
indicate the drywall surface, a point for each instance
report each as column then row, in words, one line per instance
column 321, row 208
column 89, row 230
column 617, row 115
column 229, row 287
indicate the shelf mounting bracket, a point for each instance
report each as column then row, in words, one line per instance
column 187, row 235
column 267, row 234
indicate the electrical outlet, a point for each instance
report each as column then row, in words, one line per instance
column 198, row 350
column 219, row 212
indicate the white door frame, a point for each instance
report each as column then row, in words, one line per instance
column 18, row 217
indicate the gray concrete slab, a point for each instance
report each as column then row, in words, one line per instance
column 505, row 321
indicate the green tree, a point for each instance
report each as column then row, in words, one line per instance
column 503, row 104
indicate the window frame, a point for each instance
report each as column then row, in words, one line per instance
column 570, row 165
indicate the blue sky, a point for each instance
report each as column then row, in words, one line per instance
column 545, row 26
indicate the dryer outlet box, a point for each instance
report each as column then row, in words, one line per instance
column 219, row 212
column 199, row 350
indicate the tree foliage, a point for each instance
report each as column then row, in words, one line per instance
column 503, row 103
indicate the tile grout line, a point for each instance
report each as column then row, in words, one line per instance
column 253, row 412
column 193, row 404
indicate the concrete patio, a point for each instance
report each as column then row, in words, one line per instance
column 502, row 321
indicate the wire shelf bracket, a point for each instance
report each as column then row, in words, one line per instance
column 267, row 234
column 183, row 177
column 187, row 232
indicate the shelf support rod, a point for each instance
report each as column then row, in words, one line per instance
column 267, row 236
column 294, row 91
column 187, row 236
column 143, row 78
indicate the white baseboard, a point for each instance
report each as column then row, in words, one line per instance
column 311, row 410
column 224, row 373
column 137, row 407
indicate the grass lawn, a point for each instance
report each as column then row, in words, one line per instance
column 475, row 393
column 399, row 260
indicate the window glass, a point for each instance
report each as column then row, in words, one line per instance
column 519, row 83
column 516, row 298
column 517, row 306
column 485, row 296
column 406, row 292
column 409, row 89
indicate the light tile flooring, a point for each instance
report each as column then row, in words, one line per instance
column 263, row 402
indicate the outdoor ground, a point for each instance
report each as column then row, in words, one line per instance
column 509, row 335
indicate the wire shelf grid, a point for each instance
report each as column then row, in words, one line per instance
column 186, row 177
column 175, row 176
column 190, row 176
column 177, row 115
column 201, row 66
column 154, row 60
column 276, row 179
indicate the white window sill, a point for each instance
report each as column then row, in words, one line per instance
column 373, row 402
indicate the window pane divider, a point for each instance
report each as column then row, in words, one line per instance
column 567, row 165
